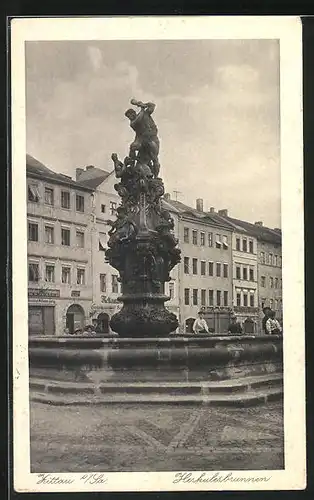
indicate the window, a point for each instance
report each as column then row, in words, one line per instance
column 103, row 282
column 202, row 239
column 103, row 208
column 114, row 283
column 245, row 273
column 80, row 239
column 65, row 237
column 276, row 282
column 33, row 193
column 171, row 290
column 270, row 259
column 251, row 274
column 279, row 261
column 218, row 242
column 276, row 305
column 186, row 296
column 186, row 265
column 226, row 299
column 50, row 273
column 238, row 243
column 210, row 239
column 218, row 298
column 271, row 282
column 263, row 281
column 203, row 297
column 194, row 237
column 195, row 296
column 80, row 277
column 225, row 242
column 263, row 257
column 32, row 231
column 194, row 265
column 225, row 270
column 113, row 207
column 33, row 272
column 49, row 196
column 203, row 267
column 66, row 275
column 238, row 272
column 238, row 299
column 79, row 203
column 49, row 234
column 210, row 268
column 244, row 245
column 251, row 248
column 263, row 302
column 186, row 235
column 275, row 260
column 65, row 199
column 271, row 303
column 218, row 269
column 210, row 298
column 245, row 299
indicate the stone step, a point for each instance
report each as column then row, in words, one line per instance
column 249, row 390
column 204, row 387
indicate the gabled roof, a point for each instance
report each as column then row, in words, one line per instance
column 262, row 233
column 34, row 168
column 93, row 177
column 202, row 217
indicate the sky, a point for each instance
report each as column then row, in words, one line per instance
column 217, row 111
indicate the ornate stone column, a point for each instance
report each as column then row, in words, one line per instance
column 142, row 246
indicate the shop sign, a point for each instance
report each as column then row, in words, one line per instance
column 109, row 300
column 43, row 293
column 75, row 293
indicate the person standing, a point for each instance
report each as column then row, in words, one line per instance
column 200, row 325
column 272, row 325
column 266, row 311
column 235, row 327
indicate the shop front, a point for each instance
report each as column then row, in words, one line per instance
column 41, row 311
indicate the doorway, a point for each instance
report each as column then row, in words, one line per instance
column 103, row 323
column 189, row 325
column 75, row 318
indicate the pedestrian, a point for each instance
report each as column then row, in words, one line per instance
column 272, row 325
column 266, row 311
column 200, row 325
column 235, row 327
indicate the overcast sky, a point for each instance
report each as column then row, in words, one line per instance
column 217, row 110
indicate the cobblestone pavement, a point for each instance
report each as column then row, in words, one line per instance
column 152, row 437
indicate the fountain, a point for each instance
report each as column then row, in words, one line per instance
column 142, row 246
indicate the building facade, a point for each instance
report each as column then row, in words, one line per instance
column 59, row 251
column 270, row 273
column 205, row 271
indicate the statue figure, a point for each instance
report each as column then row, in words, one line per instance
column 146, row 143
column 122, row 229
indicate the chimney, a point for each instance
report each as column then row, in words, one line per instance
column 167, row 197
column 259, row 223
column 199, row 205
column 212, row 210
column 223, row 212
column 79, row 172
column 90, row 167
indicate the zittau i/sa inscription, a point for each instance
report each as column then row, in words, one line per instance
column 142, row 246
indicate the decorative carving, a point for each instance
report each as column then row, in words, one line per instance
column 142, row 246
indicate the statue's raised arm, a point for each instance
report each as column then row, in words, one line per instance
column 149, row 107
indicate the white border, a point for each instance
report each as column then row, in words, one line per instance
column 289, row 31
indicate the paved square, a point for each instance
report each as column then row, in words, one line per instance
column 152, row 437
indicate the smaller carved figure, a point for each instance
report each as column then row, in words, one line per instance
column 122, row 229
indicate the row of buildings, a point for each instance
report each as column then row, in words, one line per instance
column 227, row 265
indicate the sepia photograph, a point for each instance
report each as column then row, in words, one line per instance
column 153, row 268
